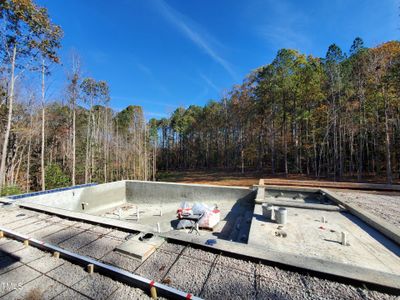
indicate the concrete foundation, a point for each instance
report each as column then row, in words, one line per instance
column 311, row 238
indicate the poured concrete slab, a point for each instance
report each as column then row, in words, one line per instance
column 115, row 203
column 361, row 273
column 157, row 266
column 150, row 196
column 136, row 249
column 306, row 235
column 140, row 248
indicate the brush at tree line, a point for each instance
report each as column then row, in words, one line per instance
column 334, row 116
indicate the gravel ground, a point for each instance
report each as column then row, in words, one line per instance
column 16, row 278
column 100, row 247
column 39, row 234
column 46, row 263
column 171, row 247
column 11, row 246
column 225, row 283
column 118, row 234
column 39, row 288
column 127, row 293
column 386, row 207
column 67, row 273
column 48, row 278
column 71, row 294
column 188, row 274
column 199, row 254
column 96, row 286
column 79, row 241
column 122, row 261
column 157, row 265
column 192, row 270
column 63, row 235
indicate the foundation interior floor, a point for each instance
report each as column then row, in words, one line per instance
column 306, row 235
column 234, row 225
column 181, row 266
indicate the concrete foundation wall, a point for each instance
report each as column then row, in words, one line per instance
column 66, row 199
column 97, row 197
column 163, row 192
column 102, row 197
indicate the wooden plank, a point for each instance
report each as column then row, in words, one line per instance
column 331, row 184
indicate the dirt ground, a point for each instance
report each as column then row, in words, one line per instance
column 211, row 177
column 249, row 178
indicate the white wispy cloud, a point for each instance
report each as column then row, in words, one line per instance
column 194, row 33
column 210, row 83
column 145, row 69
column 284, row 28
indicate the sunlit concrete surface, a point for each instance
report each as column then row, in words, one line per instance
column 96, row 220
column 305, row 234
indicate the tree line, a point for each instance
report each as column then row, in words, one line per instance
column 333, row 117
column 77, row 139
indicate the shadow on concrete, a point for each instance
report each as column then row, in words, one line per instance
column 238, row 221
column 375, row 234
column 7, row 260
column 301, row 196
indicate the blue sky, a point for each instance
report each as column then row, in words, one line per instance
column 164, row 54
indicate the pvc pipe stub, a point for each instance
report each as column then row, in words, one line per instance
column 281, row 215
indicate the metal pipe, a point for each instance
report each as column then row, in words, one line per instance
column 114, row 272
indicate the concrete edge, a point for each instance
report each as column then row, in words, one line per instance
column 334, row 184
column 261, row 188
column 192, row 184
column 295, row 204
column 359, row 274
column 260, row 194
column 289, row 188
column 88, row 218
column 377, row 223
column 5, row 200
